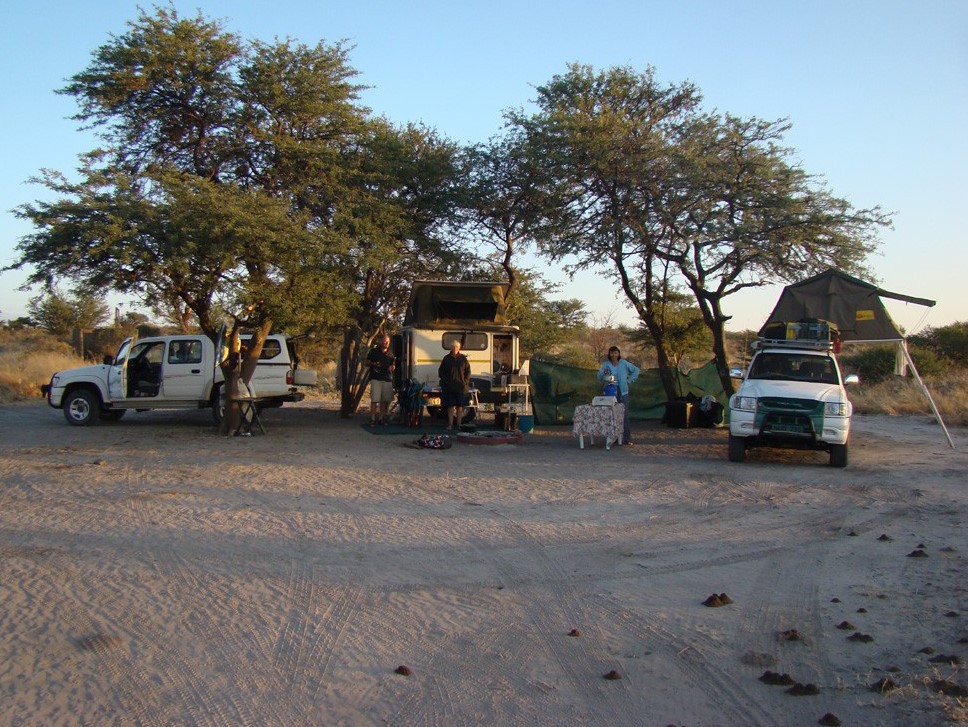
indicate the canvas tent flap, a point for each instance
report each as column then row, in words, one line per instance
column 854, row 305
column 456, row 303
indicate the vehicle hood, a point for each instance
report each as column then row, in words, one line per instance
column 765, row 388
column 95, row 371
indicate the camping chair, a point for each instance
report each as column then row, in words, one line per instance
column 546, row 391
column 411, row 403
column 248, row 411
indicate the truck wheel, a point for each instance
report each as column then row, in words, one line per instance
column 82, row 408
column 737, row 448
column 838, row 455
column 113, row 415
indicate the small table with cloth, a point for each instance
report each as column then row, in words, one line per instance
column 603, row 421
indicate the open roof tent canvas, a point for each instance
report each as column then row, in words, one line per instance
column 450, row 303
column 855, row 307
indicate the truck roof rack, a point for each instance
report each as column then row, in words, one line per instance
column 802, row 343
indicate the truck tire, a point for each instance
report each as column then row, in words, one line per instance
column 737, row 449
column 82, row 407
column 218, row 405
column 838, row 455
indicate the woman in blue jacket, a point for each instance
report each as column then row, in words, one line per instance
column 624, row 373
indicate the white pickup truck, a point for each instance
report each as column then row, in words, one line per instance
column 171, row 372
column 792, row 396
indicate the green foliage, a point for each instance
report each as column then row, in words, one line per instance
column 244, row 180
column 20, row 324
column 544, row 323
column 61, row 314
column 949, row 343
column 872, row 363
column 571, row 354
column 671, row 197
column 929, row 363
column 875, row 364
column 685, row 333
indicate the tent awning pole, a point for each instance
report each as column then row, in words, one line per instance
column 927, row 394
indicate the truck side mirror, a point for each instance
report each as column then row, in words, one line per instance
column 108, row 359
column 852, row 379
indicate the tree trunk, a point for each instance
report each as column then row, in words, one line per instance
column 646, row 313
column 667, row 371
column 721, row 358
column 239, row 367
column 353, row 375
column 712, row 315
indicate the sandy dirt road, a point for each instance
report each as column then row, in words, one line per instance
column 155, row 573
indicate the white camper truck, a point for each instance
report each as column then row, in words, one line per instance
column 440, row 312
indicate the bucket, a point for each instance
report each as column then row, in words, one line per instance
column 526, row 422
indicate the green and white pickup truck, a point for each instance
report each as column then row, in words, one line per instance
column 171, row 372
column 792, row 396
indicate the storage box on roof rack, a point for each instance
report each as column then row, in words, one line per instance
column 809, row 329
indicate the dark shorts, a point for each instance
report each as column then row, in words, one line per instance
column 450, row 398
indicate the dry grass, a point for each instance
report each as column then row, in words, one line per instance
column 27, row 360
column 904, row 397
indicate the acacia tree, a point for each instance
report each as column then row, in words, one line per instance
column 743, row 215
column 603, row 138
column 671, row 197
column 243, row 181
column 399, row 228
column 64, row 315
column 506, row 199
column 160, row 213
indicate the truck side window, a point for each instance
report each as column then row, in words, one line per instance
column 270, row 349
column 185, row 352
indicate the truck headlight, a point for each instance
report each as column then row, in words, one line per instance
column 835, row 409
column 743, row 403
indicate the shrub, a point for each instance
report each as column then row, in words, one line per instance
column 875, row 364
column 948, row 342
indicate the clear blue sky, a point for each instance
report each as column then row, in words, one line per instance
column 877, row 91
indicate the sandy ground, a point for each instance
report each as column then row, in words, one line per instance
column 155, row 573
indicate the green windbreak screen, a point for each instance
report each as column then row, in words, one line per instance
column 557, row 390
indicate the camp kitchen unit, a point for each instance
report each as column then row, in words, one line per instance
column 473, row 313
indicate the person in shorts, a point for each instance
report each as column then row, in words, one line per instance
column 381, row 363
column 455, row 381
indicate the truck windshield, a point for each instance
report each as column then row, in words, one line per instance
column 794, row 367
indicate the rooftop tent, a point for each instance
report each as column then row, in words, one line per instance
column 456, row 303
column 855, row 307
column 852, row 304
